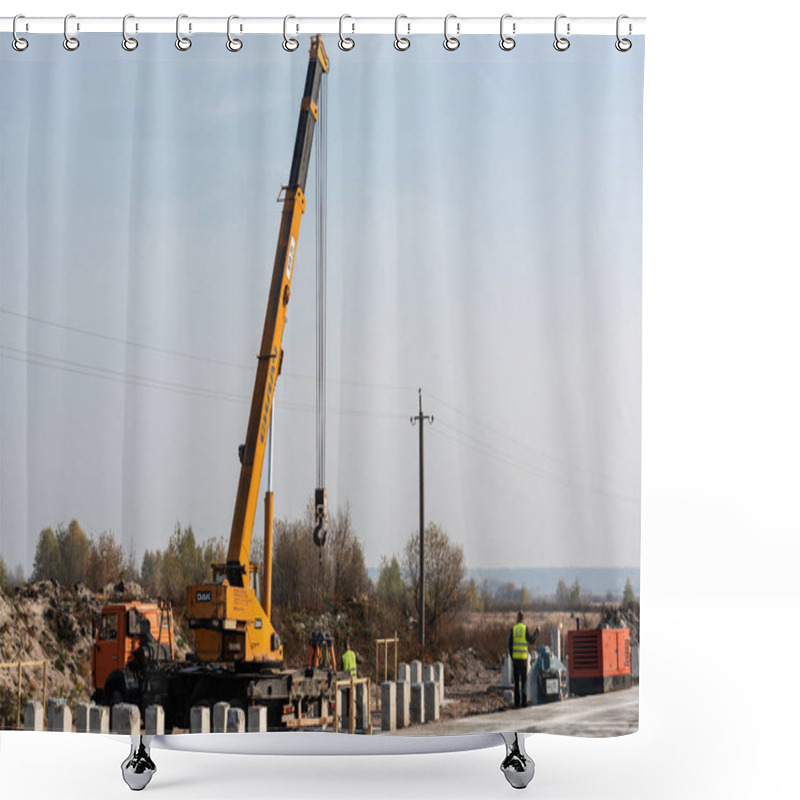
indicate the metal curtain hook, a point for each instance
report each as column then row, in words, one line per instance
column 181, row 42
column 623, row 45
column 128, row 42
column 233, row 44
column 451, row 42
column 70, row 42
column 18, row 43
column 289, row 44
column 401, row 42
column 345, row 42
column 561, row 43
column 507, row 42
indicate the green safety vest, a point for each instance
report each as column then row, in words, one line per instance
column 349, row 662
column 519, row 645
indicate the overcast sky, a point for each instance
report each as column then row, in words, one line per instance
column 484, row 229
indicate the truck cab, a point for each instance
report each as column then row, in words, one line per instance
column 123, row 631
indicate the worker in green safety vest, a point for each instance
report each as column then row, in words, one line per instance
column 349, row 660
column 518, row 641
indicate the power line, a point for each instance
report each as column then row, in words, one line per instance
column 525, row 446
column 103, row 373
column 121, row 340
column 192, row 356
column 87, row 370
column 524, row 467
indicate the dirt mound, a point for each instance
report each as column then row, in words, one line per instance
column 124, row 592
column 467, row 681
column 622, row 618
column 50, row 622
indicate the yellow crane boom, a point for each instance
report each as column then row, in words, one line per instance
column 230, row 624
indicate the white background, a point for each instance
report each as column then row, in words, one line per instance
column 720, row 463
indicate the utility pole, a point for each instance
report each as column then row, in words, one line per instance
column 421, row 418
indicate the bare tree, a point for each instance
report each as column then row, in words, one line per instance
column 446, row 590
column 304, row 575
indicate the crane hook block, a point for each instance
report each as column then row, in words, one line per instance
column 320, row 516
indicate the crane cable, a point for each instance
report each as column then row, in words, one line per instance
column 320, row 532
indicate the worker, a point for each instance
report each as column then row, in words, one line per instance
column 349, row 660
column 518, row 641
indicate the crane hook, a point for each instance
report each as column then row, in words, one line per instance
column 320, row 516
column 320, row 533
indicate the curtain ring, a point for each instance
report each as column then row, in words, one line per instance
column 623, row 45
column 181, row 42
column 128, row 42
column 70, row 42
column 507, row 42
column 345, row 42
column 451, row 42
column 233, row 44
column 401, row 42
column 18, row 43
column 561, row 43
column 289, row 44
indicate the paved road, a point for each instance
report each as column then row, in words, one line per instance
column 612, row 714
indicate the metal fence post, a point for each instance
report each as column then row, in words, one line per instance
column 19, row 692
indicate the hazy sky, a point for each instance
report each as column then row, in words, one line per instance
column 484, row 243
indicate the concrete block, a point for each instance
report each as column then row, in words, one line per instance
column 508, row 697
column 219, row 717
column 200, row 719
column 416, row 671
column 403, row 691
column 532, row 687
column 257, row 719
column 403, row 673
column 82, row 717
column 154, row 720
column 506, row 671
column 99, row 719
column 431, row 701
column 236, row 720
column 427, row 672
column 362, row 707
column 34, row 716
column 126, row 718
column 389, row 706
column 438, row 676
column 59, row 716
column 417, row 703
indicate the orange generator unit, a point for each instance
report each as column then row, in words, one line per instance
column 599, row 660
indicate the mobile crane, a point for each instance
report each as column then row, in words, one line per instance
column 238, row 655
column 230, row 624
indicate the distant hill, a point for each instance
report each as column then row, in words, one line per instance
column 542, row 581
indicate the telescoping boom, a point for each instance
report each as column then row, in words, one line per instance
column 229, row 622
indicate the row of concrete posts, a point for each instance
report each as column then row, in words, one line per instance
column 126, row 718
column 414, row 698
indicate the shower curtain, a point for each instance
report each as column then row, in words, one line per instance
column 471, row 251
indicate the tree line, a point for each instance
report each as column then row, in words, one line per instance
column 304, row 576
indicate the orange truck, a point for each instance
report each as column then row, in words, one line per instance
column 599, row 660
column 126, row 636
